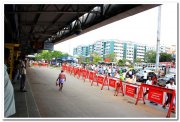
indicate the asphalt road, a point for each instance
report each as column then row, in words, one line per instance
column 80, row 99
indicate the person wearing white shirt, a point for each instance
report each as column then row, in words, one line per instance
column 169, row 95
column 145, row 76
column 149, row 82
column 116, row 75
column 109, row 71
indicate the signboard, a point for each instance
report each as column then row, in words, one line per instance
column 106, row 60
column 130, row 90
column 112, row 82
column 100, row 79
column 155, row 96
column 48, row 46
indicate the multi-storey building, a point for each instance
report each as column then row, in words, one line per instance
column 148, row 48
column 123, row 49
column 139, row 51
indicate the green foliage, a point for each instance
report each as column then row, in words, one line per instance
column 56, row 54
column 150, row 56
column 48, row 55
column 121, row 62
column 81, row 59
column 96, row 57
column 137, row 60
column 87, row 59
column 112, row 57
column 164, row 57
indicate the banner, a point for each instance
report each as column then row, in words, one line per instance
column 155, row 96
column 100, row 79
column 130, row 90
column 112, row 82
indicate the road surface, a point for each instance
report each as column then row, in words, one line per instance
column 80, row 99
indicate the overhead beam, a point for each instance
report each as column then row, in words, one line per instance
column 36, row 19
column 115, row 18
column 45, row 12
column 65, row 8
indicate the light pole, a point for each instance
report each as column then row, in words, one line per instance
column 158, row 37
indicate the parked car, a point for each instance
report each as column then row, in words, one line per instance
column 163, row 81
column 140, row 75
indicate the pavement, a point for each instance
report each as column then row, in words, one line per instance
column 78, row 99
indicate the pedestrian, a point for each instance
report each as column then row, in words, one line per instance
column 60, row 80
column 145, row 77
column 9, row 102
column 109, row 71
column 149, row 82
column 23, row 75
column 170, row 85
column 134, row 79
column 130, row 74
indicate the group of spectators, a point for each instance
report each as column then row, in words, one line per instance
column 112, row 71
column 130, row 76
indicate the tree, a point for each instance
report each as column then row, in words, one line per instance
column 38, row 56
column 150, row 56
column 112, row 57
column 46, row 55
column 96, row 57
column 65, row 54
column 164, row 57
column 81, row 59
column 87, row 59
column 56, row 54
column 137, row 60
column 121, row 62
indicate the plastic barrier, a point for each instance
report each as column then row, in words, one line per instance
column 68, row 69
column 100, row 79
column 155, row 94
column 105, row 82
column 94, row 80
column 85, row 74
column 75, row 71
column 79, row 72
column 71, row 70
column 112, row 82
column 43, row 64
column 35, row 64
column 91, row 76
column 130, row 90
column 119, row 88
column 63, row 67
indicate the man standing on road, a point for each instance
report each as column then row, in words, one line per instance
column 61, row 79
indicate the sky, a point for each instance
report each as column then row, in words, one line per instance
column 140, row 28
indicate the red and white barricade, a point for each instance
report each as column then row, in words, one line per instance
column 156, row 94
